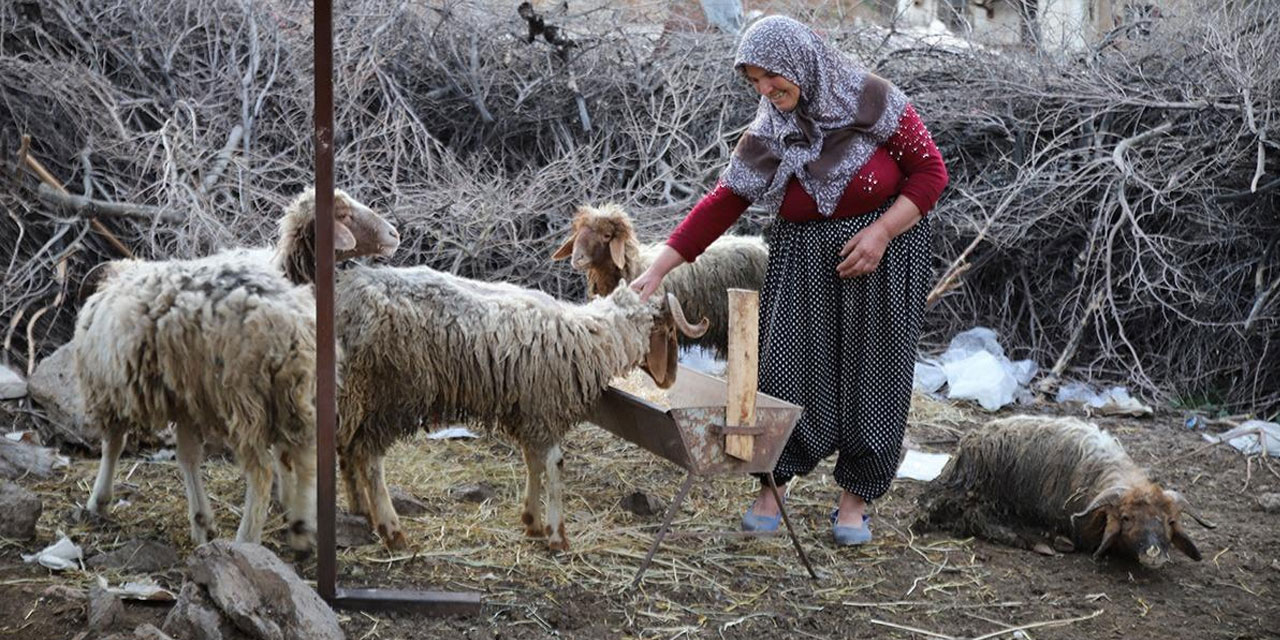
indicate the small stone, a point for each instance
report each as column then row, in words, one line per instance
column 1270, row 502
column 142, row 556
column 21, row 510
column 641, row 504
column 474, row 492
column 352, row 531
column 12, row 386
column 104, row 609
column 406, row 503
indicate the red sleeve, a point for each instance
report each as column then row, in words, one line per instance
column 711, row 217
column 913, row 149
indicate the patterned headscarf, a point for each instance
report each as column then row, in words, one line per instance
column 844, row 113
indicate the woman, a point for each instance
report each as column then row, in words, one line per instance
column 846, row 164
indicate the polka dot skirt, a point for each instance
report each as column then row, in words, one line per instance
column 844, row 349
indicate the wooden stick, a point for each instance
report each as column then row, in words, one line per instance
column 913, row 630
column 25, row 157
column 744, row 347
column 88, row 207
column 1035, row 625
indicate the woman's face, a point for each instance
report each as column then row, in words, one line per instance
column 780, row 91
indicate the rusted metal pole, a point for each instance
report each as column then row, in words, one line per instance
column 326, row 372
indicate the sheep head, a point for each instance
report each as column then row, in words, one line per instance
column 598, row 246
column 357, row 232
column 1139, row 522
column 664, row 353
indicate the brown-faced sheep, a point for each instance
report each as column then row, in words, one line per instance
column 604, row 247
column 223, row 346
column 1062, row 475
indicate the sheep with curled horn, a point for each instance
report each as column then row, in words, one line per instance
column 1060, row 476
column 420, row 342
column 604, row 247
column 224, row 347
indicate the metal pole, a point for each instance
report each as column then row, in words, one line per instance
column 326, row 405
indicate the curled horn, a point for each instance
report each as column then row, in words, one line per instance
column 1186, row 508
column 692, row 331
column 1106, row 498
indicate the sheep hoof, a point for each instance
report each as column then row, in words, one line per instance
column 558, row 546
column 1062, row 545
column 396, row 541
column 1043, row 549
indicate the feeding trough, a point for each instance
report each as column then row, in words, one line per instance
column 710, row 427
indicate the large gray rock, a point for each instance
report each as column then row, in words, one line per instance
column 53, row 385
column 23, row 459
column 12, row 386
column 105, row 610
column 142, row 556
column 252, row 590
column 21, row 510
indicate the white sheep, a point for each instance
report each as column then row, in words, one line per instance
column 419, row 342
column 604, row 247
column 223, row 346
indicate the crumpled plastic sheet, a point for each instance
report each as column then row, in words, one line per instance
column 1250, row 436
column 63, row 554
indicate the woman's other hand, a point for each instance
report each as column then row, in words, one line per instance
column 648, row 282
column 862, row 253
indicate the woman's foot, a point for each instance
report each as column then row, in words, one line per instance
column 850, row 523
column 764, row 515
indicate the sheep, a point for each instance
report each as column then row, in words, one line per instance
column 420, row 342
column 604, row 247
column 223, row 346
column 1060, row 474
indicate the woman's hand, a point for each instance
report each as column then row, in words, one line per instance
column 646, row 283
column 862, row 253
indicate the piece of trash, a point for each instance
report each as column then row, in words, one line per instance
column 452, row 432
column 977, row 369
column 1114, row 401
column 1195, row 422
column 28, row 436
column 63, row 554
column 162, row 455
column 145, row 589
column 929, row 377
column 1251, row 438
column 918, row 465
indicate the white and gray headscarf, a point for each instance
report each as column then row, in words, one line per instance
column 845, row 112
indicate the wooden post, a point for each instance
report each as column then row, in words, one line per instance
column 744, row 348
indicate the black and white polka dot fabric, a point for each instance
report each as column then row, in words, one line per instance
column 844, row 349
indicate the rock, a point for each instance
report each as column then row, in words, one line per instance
column 148, row 631
column 104, row 609
column 352, row 531
column 257, row 593
column 21, row 509
column 18, row 459
column 641, row 504
column 12, row 386
column 53, row 385
column 141, row 556
column 474, row 492
column 406, row 503
column 1270, row 502
column 193, row 617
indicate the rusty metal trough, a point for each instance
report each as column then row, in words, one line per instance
column 691, row 434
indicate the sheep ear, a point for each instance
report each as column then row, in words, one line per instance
column 565, row 249
column 657, row 359
column 343, row 239
column 617, row 247
column 1185, row 507
column 1183, row 543
column 1108, row 535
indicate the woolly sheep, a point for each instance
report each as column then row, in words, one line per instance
column 1060, row 474
column 604, row 247
column 223, row 346
column 420, row 342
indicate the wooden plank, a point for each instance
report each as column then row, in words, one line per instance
column 744, row 347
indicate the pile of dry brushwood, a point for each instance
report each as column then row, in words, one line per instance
column 1112, row 213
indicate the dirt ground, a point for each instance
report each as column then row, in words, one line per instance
column 903, row 585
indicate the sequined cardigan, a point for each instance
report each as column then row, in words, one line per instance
column 907, row 164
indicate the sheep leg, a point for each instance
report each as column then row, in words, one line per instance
column 357, row 502
column 557, row 540
column 257, row 496
column 387, row 522
column 300, row 510
column 285, row 478
column 535, row 464
column 103, row 487
column 199, row 513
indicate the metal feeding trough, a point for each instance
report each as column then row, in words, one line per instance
column 692, row 434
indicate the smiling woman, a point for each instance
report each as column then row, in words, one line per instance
column 842, row 158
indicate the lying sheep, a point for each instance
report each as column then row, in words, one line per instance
column 604, row 247
column 223, row 346
column 419, row 342
column 1059, row 474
